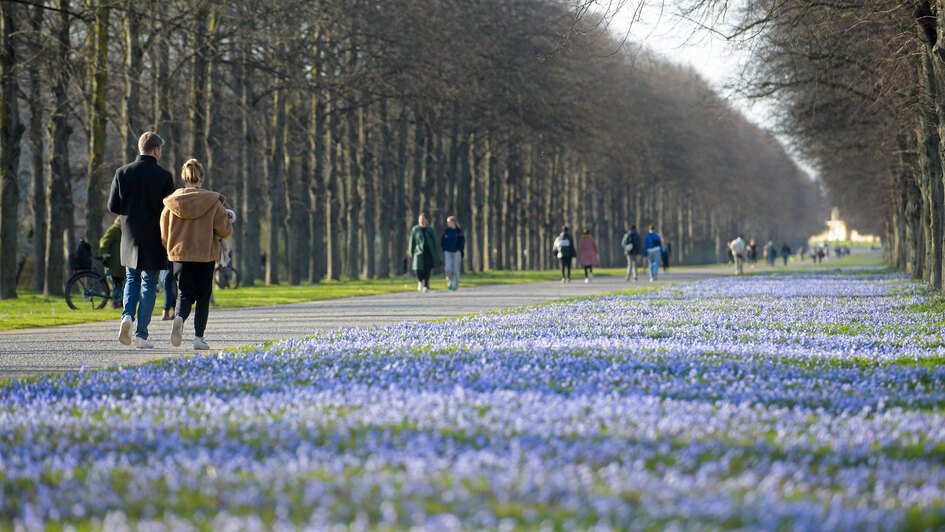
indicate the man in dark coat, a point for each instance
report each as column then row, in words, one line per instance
column 137, row 195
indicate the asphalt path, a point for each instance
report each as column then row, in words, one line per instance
column 27, row 352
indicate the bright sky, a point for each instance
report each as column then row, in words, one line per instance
column 670, row 38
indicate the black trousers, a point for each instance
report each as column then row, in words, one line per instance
column 565, row 265
column 424, row 276
column 194, row 285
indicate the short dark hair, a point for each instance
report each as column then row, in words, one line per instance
column 148, row 141
column 564, row 229
column 634, row 226
column 652, row 227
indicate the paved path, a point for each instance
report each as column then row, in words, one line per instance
column 27, row 352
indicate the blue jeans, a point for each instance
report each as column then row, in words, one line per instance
column 170, row 289
column 140, row 294
column 653, row 256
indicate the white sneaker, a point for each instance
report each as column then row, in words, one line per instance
column 177, row 329
column 200, row 344
column 424, row 290
column 420, row 286
column 586, row 280
column 124, row 330
column 142, row 343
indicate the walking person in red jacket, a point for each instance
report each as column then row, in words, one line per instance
column 590, row 255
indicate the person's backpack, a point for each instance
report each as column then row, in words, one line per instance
column 81, row 258
column 627, row 242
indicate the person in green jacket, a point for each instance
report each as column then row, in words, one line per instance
column 110, row 245
column 424, row 249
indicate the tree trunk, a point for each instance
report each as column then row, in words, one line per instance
column 37, row 163
column 275, row 216
column 353, row 179
column 130, row 76
column 249, row 253
column 96, row 185
column 59, row 192
column 10, row 132
column 367, row 193
column 296, row 199
column 387, row 198
column 318, row 266
column 332, row 198
column 198, row 83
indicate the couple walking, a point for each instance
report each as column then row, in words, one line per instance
column 649, row 248
column 160, row 223
column 425, row 252
column 565, row 250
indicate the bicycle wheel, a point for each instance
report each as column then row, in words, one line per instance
column 234, row 277
column 221, row 278
column 83, row 289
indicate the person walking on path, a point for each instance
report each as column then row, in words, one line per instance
column 785, row 252
column 137, row 195
column 738, row 248
column 422, row 248
column 192, row 224
column 654, row 251
column 771, row 253
column 590, row 255
column 564, row 250
column 453, row 243
column 752, row 253
column 110, row 248
column 633, row 249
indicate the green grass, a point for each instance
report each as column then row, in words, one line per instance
column 33, row 310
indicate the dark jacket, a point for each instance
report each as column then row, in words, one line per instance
column 634, row 237
column 137, row 195
column 564, row 247
column 423, row 247
column 453, row 240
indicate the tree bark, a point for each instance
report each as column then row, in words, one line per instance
column 96, row 185
column 353, row 179
column 134, row 55
column 275, row 215
column 11, row 130
column 37, row 162
column 59, row 206
column 387, row 197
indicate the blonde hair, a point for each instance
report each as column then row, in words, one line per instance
column 191, row 172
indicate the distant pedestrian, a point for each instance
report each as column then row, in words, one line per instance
column 424, row 249
column 565, row 251
column 664, row 256
column 590, row 255
column 453, row 243
column 193, row 223
column 633, row 249
column 137, row 195
column 110, row 247
column 738, row 248
column 654, row 251
column 752, row 252
column 770, row 253
column 785, row 252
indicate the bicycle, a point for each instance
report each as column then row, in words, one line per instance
column 88, row 287
column 226, row 277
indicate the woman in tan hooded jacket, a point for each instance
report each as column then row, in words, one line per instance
column 192, row 223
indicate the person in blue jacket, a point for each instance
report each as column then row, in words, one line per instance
column 453, row 243
column 653, row 245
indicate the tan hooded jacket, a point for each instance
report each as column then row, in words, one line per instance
column 191, row 222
